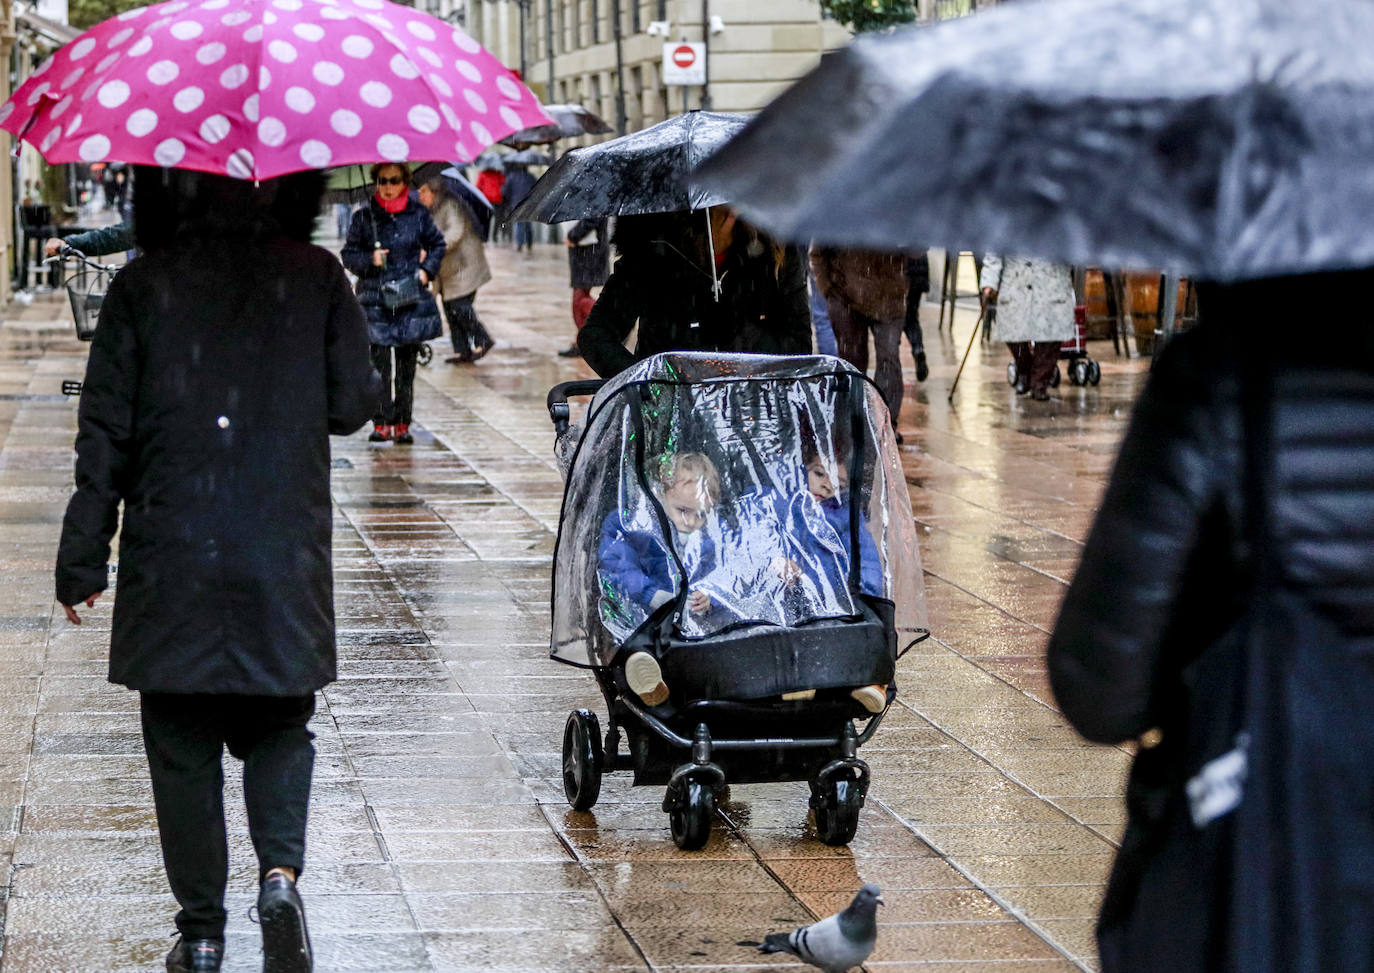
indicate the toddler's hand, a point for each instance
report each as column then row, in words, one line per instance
column 786, row 569
column 699, row 602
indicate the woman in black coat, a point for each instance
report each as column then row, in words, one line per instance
column 395, row 250
column 663, row 281
column 224, row 358
column 1163, row 584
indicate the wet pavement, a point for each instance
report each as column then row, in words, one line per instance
column 439, row 836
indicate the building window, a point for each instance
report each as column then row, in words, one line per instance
column 596, row 22
column 636, row 24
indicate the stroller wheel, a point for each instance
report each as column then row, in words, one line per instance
column 425, row 354
column 1054, row 378
column 837, row 811
column 690, row 819
column 583, row 759
column 1079, row 371
column 1094, row 372
column 1011, row 373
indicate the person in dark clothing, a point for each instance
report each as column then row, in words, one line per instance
column 1170, row 569
column 866, row 292
column 917, row 283
column 519, row 182
column 589, row 249
column 392, row 246
column 663, row 281
column 225, row 357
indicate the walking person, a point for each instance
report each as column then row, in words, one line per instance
column 464, row 269
column 1034, row 301
column 917, row 283
column 395, row 250
column 225, row 357
column 1223, row 616
column 589, row 249
column 519, row 182
column 665, row 282
column 865, row 292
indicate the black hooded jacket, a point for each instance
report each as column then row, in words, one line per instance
column 763, row 306
column 225, row 356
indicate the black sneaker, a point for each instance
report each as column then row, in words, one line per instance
column 285, row 941
column 196, row 956
column 922, row 369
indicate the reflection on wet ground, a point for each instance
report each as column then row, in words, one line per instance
column 439, row 836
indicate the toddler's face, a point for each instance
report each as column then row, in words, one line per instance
column 821, row 484
column 688, row 504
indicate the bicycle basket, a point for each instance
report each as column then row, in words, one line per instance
column 86, row 288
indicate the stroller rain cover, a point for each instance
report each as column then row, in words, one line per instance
column 783, row 455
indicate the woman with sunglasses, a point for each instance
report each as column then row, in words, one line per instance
column 394, row 249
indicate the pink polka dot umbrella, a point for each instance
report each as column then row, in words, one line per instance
column 259, row 88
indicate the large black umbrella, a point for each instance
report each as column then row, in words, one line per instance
column 1222, row 138
column 643, row 172
column 569, row 121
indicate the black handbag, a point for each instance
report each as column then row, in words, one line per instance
column 1236, row 856
column 401, row 292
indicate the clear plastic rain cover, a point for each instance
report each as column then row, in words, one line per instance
column 711, row 492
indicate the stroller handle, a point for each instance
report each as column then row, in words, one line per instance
column 558, row 399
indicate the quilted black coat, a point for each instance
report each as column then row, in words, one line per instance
column 1163, row 579
column 219, row 369
column 405, row 234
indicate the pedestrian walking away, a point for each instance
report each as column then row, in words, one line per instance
column 519, row 182
column 917, row 283
column 1222, row 617
column 394, row 249
column 666, row 280
column 589, row 249
column 463, row 270
column 866, row 291
column 1035, row 302
column 225, row 357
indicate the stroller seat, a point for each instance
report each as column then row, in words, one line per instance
column 755, row 662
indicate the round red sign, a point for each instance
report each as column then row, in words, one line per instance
column 684, row 56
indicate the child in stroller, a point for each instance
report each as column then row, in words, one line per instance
column 636, row 565
column 766, row 601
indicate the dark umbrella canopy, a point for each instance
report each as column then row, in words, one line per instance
column 643, row 172
column 569, row 121
column 1223, row 138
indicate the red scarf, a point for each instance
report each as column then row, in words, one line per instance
column 392, row 206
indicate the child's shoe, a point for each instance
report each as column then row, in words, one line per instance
column 872, row 698
column 645, row 678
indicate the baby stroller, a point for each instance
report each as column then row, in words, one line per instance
column 759, row 685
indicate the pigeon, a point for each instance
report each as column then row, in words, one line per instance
column 838, row 942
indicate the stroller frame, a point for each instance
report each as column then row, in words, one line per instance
column 697, row 768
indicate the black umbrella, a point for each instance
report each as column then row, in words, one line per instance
column 527, row 157
column 570, row 121
column 1222, row 138
column 643, row 172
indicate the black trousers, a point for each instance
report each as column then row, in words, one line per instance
column 185, row 737
column 396, row 405
column 464, row 327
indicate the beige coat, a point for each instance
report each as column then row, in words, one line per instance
column 465, row 261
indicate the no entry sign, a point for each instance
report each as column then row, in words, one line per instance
column 684, row 63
